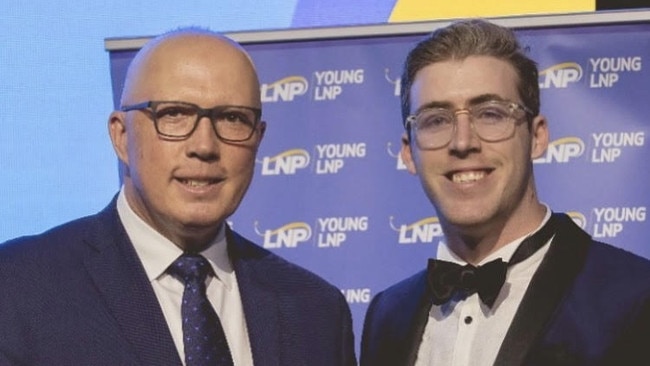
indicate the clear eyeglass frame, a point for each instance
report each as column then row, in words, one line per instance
column 491, row 121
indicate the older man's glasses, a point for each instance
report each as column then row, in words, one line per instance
column 178, row 120
column 492, row 121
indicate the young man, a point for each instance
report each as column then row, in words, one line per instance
column 158, row 278
column 514, row 283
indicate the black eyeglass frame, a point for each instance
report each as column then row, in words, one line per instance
column 151, row 106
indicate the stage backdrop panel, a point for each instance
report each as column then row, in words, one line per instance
column 330, row 191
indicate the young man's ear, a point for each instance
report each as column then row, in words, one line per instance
column 407, row 154
column 539, row 137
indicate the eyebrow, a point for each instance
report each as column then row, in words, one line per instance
column 473, row 101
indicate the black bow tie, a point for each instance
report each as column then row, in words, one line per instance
column 446, row 278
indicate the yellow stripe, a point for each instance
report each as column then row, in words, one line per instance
column 417, row 10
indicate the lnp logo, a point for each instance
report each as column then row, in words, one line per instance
column 286, row 162
column 284, row 89
column 357, row 295
column 422, row 231
column 329, row 83
column 561, row 150
column 560, row 75
column 578, row 218
column 397, row 156
column 287, row 236
column 610, row 221
column 606, row 71
column 333, row 231
column 332, row 157
column 397, row 83
column 608, row 146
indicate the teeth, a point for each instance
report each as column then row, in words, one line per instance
column 196, row 183
column 467, row 177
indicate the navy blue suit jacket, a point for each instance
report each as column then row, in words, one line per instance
column 587, row 304
column 78, row 295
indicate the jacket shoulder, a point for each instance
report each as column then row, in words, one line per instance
column 54, row 240
column 282, row 274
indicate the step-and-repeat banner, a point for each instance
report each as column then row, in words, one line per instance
column 331, row 193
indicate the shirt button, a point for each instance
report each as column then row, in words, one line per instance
column 468, row 320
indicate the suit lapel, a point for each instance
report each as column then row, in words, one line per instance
column 555, row 275
column 395, row 322
column 119, row 276
column 418, row 320
column 259, row 302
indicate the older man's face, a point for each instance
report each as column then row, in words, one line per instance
column 186, row 188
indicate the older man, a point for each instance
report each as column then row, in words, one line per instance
column 158, row 278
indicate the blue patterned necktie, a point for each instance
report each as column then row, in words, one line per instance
column 203, row 337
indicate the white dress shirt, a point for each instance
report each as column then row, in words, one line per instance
column 156, row 254
column 466, row 332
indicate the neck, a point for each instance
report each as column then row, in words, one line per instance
column 475, row 243
column 195, row 242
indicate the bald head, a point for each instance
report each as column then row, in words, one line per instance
column 186, row 186
column 187, row 53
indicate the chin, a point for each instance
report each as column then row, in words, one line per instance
column 202, row 219
column 207, row 220
column 466, row 218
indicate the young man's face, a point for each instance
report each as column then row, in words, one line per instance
column 472, row 182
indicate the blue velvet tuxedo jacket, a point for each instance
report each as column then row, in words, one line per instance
column 587, row 304
column 78, row 295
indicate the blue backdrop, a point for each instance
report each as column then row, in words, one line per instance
column 331, row 194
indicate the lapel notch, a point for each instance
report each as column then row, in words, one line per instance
column 259, row 302
column 116, row 271
column 559, row 268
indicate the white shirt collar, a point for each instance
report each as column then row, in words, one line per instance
column 157, row 253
